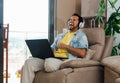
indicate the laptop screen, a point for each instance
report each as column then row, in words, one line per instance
column 40, row 48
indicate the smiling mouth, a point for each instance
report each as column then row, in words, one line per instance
column 70, row 24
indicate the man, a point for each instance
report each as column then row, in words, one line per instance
column 71, row 44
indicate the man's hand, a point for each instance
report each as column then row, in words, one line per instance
column 80, row 52
column 62, row 45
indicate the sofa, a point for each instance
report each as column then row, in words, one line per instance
column 111, row 69
column 80, row 70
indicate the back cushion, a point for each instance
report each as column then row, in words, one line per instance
column 108, row 46
column 96, row 39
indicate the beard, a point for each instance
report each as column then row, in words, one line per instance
column 73, row 28
column 70, row 28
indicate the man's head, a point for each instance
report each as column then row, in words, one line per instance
column 74, row 21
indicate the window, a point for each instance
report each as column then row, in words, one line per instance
column 28, row 19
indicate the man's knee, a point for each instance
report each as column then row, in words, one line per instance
column 52, row 64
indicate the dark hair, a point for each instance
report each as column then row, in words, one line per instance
column 80, row 18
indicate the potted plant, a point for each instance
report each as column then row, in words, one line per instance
column 112, row 25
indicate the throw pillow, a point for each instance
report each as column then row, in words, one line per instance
column 90, row 54
column 52, row 64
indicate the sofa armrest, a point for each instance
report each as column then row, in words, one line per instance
column 79, row 63
column 112, row 62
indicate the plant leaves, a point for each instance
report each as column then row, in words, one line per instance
column 112, row 26
column 119, row 46
column 112, row 3
column 116, row 28
column 100, row 12
column 114, row 51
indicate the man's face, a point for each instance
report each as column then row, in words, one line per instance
column 73, row 23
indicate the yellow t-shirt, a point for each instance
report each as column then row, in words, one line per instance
column 62, row 53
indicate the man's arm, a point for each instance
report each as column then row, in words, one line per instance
column 80, row 52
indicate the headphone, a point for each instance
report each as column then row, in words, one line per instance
column 81, row 20
column 81, row 24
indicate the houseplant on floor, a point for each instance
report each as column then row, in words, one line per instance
column 112, row 25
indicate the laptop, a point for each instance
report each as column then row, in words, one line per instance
column 40, row 48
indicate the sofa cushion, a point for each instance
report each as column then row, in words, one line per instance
column 98, row 51
column 53, row 64
column 112, row 62
column 76, row 63
column 108, row 46
column 90, row 54
column 96, row 39
column 95, row 35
